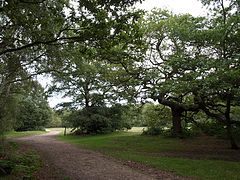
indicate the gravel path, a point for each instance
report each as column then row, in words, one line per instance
column 65, row 161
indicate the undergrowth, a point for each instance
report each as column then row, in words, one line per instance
column 17, row 162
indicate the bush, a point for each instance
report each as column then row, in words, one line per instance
column 17, row 164
column 132, row 115
column 32, row 116
column 96, row 120
column 153, row 131
column 55, row 121
column 157, row 118
column 214, row 128
column 236, row 132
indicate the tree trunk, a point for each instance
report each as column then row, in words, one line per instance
column 65, row 130
column 229, row 125
column 176, row 122
column 230, row 136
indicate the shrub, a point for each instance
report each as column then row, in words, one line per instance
column 95, row 120
column 55, row 120
column 17, row 164
column 157, row 118
column 32, row 115
column 153, row 131
column 132, row 115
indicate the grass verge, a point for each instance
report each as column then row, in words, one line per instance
column 14, row 134
column 18, row 162
column 147, row 150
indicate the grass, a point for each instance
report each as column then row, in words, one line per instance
column 60, row 129
column 14, row 134
column 147, row 150
column 18, row 163
column 202, row 169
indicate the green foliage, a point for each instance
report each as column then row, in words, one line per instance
column 26, row 107
column 33, row 111
column 18, row 164
column 36, row 38
column 132, row 114
column 98, row 119
column 8, row 113
column 31, row 117
column 55, row 120
column 83, row 79
column 192, row 63
column 15, row 134
column 199, row 123
column 100, row 53
column 218, row 90
column 157, row 118
column 212, row 128
column 24, row 28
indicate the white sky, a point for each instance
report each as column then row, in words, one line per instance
column 193, row 7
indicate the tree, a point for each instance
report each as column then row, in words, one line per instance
column 193, row 63
column 165, row 72
column 219, row 86
column 156, row 117
column 32, row 33
column 98, row 119
column 25, row 28
column 33, row 111
column 83, row 79
column 91, row 66
column 55, row 120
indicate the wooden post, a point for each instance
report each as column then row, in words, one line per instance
column 65, row 130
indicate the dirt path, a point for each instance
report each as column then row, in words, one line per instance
column 65, row 161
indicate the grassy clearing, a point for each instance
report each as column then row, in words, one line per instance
column 55, row 129
column 60, row 129
column 147, row 150
column 18, row 163
column 14, row 134
column 137, row 129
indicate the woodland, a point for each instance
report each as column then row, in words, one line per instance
column 176, row 74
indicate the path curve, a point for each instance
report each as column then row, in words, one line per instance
column 65, row 161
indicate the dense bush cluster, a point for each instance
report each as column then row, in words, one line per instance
column 157, row 118
column 32, row 116
column 32, row 111
column 158, row 121
column 17, row 164
column 94, row 120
